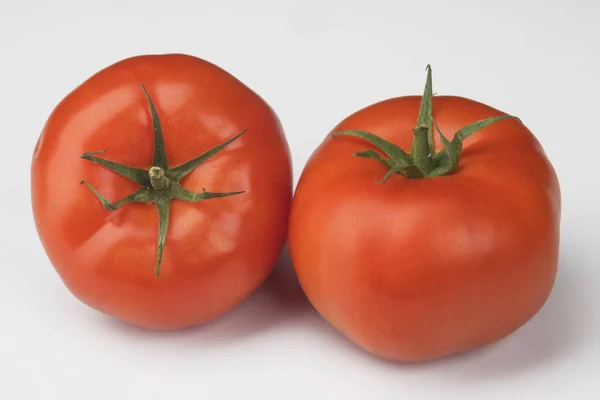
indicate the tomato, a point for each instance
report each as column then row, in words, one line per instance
column 446, row 246
column 185, row 213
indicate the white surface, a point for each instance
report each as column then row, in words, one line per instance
column 314, row 62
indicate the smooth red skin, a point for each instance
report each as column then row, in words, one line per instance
column 416, row 269
column 217, row 251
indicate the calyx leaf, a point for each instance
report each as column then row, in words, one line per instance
column 423, row 161
column 160, row 184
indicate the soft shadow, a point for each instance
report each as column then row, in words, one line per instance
column 556, row 332
column 279, row 301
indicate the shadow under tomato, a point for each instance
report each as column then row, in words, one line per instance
column 558, row 331
column 279, row 301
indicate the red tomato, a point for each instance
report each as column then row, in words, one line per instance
column 444, row 256
column 222, row 218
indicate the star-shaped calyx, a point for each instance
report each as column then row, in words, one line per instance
column 160, row 184
column 423, row 161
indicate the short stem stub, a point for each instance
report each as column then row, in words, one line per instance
column 158, row 180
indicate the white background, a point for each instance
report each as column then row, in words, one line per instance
column 315, row 63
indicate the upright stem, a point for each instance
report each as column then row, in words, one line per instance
column 420, row 150
column 423, row 161
column 422, row 147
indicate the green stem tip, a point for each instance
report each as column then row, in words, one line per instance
column 160, row 184
column 423, row 161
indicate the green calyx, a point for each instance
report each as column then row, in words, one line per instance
column 160, row 184
column 423, row 161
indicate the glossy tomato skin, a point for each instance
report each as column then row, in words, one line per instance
column 217, row 251
column 416, row 269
